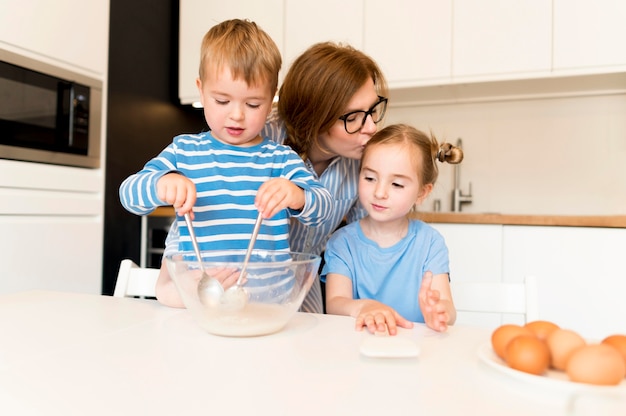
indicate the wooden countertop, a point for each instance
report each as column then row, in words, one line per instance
column 163, row 212
column 610, row 221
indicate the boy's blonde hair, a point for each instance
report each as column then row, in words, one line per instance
column 245, row 48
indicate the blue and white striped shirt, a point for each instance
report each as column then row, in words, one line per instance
column 340, row 178
column 227, row 179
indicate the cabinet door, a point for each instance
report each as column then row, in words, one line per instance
column 589, row 34
column 61, row 253
column 410, row 40
column 310, row 22
column 475, row 251
column 495, row 39
column 198, row 16
column 475, row 256
column 581, row 274
column 70, row 31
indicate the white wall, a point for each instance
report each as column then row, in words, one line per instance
column 552, row 156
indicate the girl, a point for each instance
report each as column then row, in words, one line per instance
column 387, row 270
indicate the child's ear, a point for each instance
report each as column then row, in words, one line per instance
column 199, row 87
column 423, row 194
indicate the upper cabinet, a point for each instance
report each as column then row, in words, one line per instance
column 495, row 39
column 198, row 16
column 589, row 35
column 311, row 22
column 410, row 39
column 434, row 43
column 73, row 33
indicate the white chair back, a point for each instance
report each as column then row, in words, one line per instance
column 497, row 298
column 135, row 281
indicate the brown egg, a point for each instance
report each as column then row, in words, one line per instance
column 562, row 343
column 596, row 364
column 542, row 328
column 505, row 333
column 617, row 341
column 528, row 353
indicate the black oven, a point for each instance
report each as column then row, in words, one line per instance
column 48, row 114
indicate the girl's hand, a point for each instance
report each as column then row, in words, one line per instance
column 378, row 317
column 278, row 194
column 433, row 308
column 179, row 191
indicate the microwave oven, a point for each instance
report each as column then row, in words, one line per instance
column 48, row 114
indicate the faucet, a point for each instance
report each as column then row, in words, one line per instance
column 458, row 198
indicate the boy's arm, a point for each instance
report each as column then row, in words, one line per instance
column 138, row 193
column 317, row 200
column 317, row 205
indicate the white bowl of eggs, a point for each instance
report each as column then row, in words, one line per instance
column 542, row 348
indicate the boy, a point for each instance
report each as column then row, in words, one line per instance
column 230, row 173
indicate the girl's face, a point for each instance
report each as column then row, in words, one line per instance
column 337, row 141
column 234, row 111
column 389, row 185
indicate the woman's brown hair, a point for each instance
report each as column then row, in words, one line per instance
column 319, row 86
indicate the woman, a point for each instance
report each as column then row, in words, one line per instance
column 330, row 103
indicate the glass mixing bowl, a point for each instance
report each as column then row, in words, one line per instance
column 275, row 284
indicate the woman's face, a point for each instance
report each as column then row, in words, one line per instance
column 337, row 141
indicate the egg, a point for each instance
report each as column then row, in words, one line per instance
column 617, row 341
column 598, row 364
column 527, row 353
column 542, row 328
column 505, row 333
column 562, row 343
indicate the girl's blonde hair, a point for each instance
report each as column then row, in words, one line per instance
column 426, row 149
column 245, row 48
column 318, row 88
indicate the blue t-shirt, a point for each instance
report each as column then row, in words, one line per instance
column 391, row 275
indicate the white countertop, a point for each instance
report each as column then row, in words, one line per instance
column 76, row 354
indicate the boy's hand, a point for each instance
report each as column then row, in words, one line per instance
column 178, row 191
column 434, row 310
column 378, row 317
column 278, row 194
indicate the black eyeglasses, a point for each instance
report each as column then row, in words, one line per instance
column 355, row 120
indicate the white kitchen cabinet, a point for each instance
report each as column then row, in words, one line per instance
column 51, row 216
column 307, row 23
column 198, row 16
column 495, row 39
column 411, row 40
column 475, row 251
column 68, row 32
column 580, row 271
column 475, row 255
column 51, row 219
column 581, row 274
column 589, row 36
column 48, row 252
